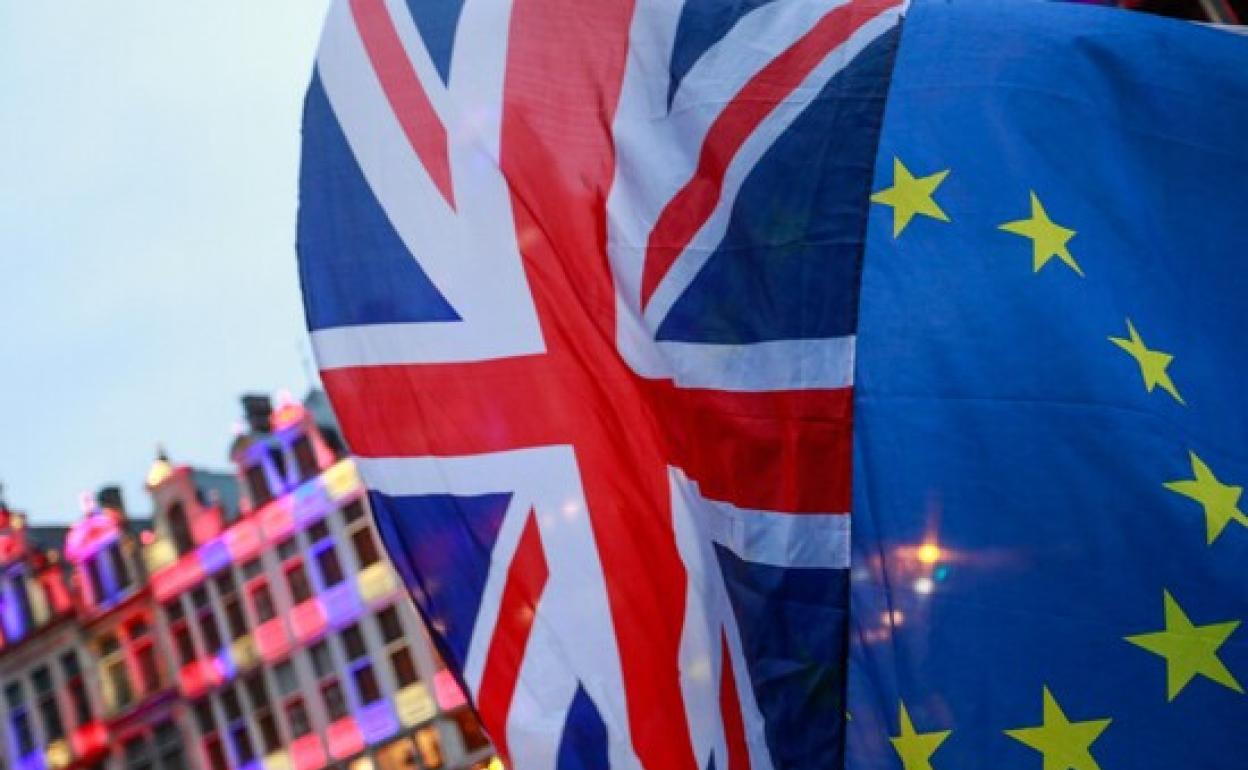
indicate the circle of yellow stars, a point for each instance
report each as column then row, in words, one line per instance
column 1188, row 649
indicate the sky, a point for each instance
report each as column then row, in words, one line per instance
column 148, row 189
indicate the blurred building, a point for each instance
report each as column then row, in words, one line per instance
column 253, row 622
column 1214, row 11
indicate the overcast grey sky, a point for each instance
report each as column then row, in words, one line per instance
column 148, row 171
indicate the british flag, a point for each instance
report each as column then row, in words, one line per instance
column 581, row 278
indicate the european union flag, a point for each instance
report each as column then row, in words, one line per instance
column 1052, row 421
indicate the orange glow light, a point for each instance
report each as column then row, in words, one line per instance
column 928, row 553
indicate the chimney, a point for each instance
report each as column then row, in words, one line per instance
column 110, row 497
column 257, row 409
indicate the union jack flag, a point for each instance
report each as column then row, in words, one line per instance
column 582, row 281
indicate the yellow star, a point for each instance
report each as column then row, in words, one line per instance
column 1065, row 744
column 909, row 196
column 1152, row 363
column 916, row 749
column 1189, row 650
column 1220, row 501
column 1048, row 239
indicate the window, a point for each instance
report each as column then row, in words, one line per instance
column 429, row 746
column 287, row 682
column 335, row 704
column 318, row 531
column 366, row 684
column 205, row 720
column 230, row 702
column 173, row 610
column 297, row 579
column 169, row 746
column 148, row 667
column 92, row 566
column 305, row 458
column 389, row 624
column 322, row 659
column 41, row 679
column 404, row 667
column 209, row 630
column 70, row 666
column 215, row 754
column 365, row 547
column 278, row 458
column 353, row 649
column 116, row 679
column 269, row 734
column 297, row 718
column 470, row 730
column 227, row 590
column 145, row 655
column 22, row 734
column 262, row 601
column 287, row 549
column 258, row 485
column 329, row 566
column 225, row 583
column 257, row 691
column 397, row 755
column 243, row 748
column 353, row 512
column 121, row 573
column 180, row 529
column 234, row 617
column 49, row 711
column 251, row 569
column 258, row 695
column 352, row 642
column 138, row 756
column 184, row 643
column 74, row 686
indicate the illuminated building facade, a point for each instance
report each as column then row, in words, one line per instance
column 267, row 635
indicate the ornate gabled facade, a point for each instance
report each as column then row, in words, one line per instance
column 267, row 632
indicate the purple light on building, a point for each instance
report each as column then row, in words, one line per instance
column 342, row 604
column 377, row 721
column 214, row 555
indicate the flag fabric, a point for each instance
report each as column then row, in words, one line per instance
column 590, row 284
column 1050, row 415
column 581, row 280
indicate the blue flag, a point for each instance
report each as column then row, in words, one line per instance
column 1051, row 417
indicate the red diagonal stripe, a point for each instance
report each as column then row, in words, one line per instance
column 526, row 578
column 689, row 210
column 407, row 97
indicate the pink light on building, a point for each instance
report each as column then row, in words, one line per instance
column 276, row 518
column 307, row 753
column 447, row 692
column 199, row 676
column 308, row 620
column 89, row 535
column 89, row 740
column 345, row 738
column 177, row 577
column 243, row 540
column 271, row 640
